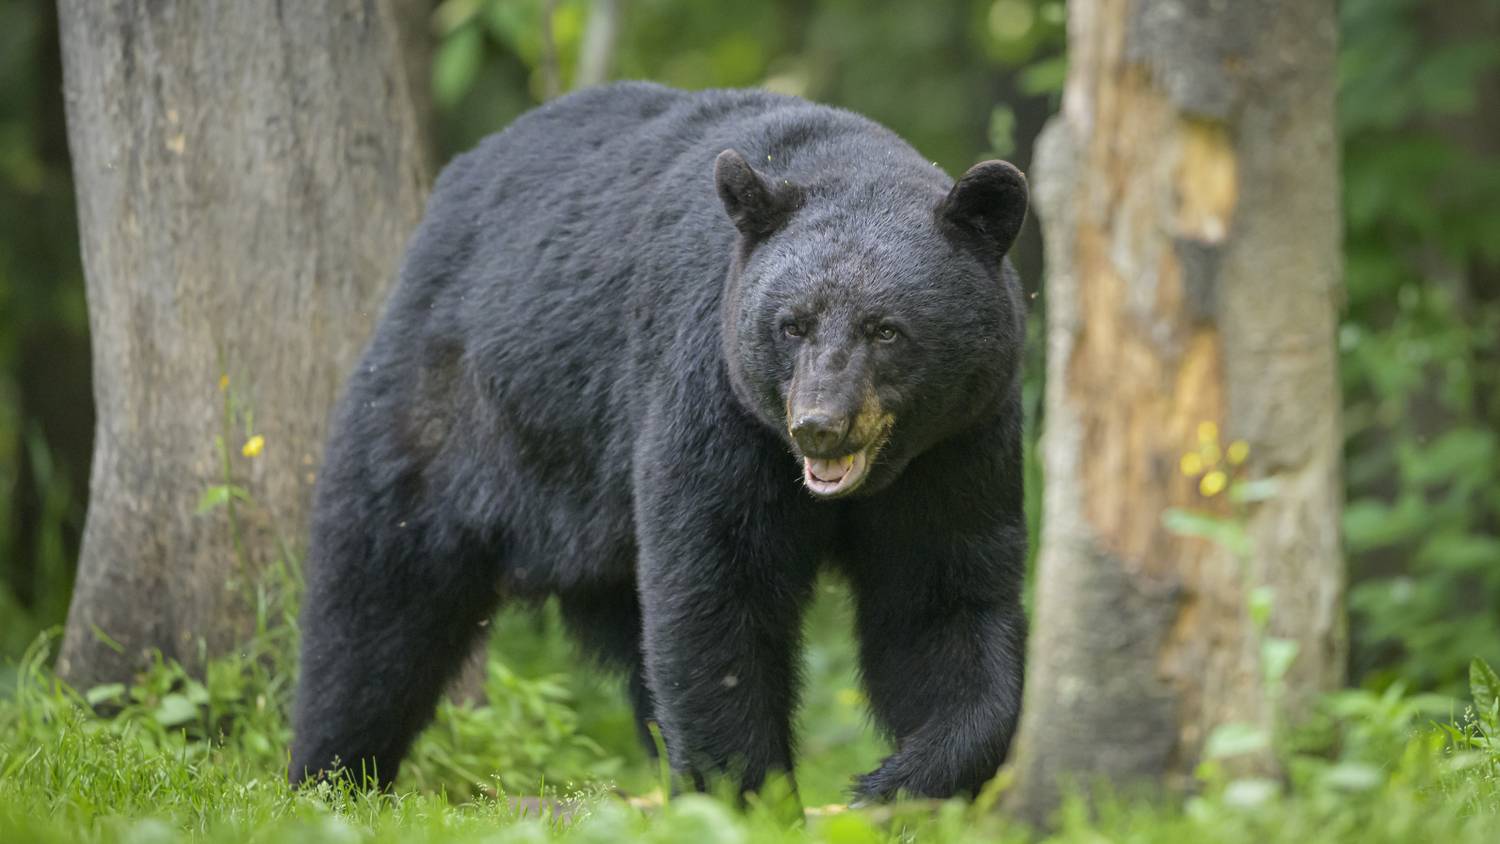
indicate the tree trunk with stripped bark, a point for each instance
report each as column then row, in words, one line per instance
column 1190, row 577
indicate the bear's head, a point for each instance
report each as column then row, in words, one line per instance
column 869, row 317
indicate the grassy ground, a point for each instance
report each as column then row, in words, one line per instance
column 184, row 760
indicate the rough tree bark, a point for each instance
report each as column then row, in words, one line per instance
column 413, row 22
column 1189, row 200
column 247, row 173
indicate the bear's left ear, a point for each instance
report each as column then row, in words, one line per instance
column 989, row 201
column 756, row 205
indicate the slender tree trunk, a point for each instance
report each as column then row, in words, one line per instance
column 552, row 84
column 247, row 173
column 596, row 58
column 1189, row 199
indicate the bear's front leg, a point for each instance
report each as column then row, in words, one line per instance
column 947, row 682
column 936, row 570
column 728, row 548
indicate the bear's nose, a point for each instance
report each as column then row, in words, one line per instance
column 819, row 433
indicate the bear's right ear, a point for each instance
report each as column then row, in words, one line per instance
column 756, row 206
column 988, row 201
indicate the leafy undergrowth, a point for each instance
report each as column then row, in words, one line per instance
column 183, row 760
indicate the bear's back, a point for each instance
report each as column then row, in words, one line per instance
column 592, row 223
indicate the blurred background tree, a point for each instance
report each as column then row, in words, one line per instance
column 244, row 188
column 962, row 80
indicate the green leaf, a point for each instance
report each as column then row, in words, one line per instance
column 456, row 64
column 1247, row 492
column 1226, row 533
column 1454, row 454
column 1235, row 739
column 175, row 710
column 1276, row 658
column 106, row 692
column 1251, row 792
column 1484, row 685
column 1371, row 524
column 217, row 496
column 1446, row 78
column 1262, row 601
column 106, row 640
column 1044, row 77
column 196, row 693
column 452, row 14
column 518, row 26
column 1459, row 551
column 1353, row 776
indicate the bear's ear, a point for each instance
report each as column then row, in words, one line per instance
column 756, row 206
column 989, row 201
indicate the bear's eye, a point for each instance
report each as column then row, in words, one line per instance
column 887, row 333
column 792, row 328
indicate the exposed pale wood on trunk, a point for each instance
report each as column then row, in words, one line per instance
column 247, row 174
column 1188, row 195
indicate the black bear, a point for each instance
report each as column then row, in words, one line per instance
column 664, row 355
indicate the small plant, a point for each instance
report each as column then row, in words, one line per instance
column 1228, row 493
column 237, row 425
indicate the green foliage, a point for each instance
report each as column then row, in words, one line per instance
column 188, row 761
column 858, row 55
column 528, row 733
column 1421, row 337
column 43, row 347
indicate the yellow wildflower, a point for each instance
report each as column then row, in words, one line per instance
column 1210, row 453
column 223, row 383
column 1191, row 464
column 1208, row 432
column 1238, row 451
column 1213, row 483
column 254, row 446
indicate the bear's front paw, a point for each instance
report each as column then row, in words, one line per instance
column 906, row 775
column 878, row 786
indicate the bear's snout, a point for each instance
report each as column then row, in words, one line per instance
column 820, row 432
column 837, row 445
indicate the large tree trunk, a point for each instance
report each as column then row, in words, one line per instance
column 247, row 173
column 1189, row 200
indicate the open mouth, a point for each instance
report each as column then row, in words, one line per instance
column 835, row 476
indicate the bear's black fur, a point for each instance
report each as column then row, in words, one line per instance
column 663, row 355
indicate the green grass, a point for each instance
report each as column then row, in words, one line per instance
column 190, row 760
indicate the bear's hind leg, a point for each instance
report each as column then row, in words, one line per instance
column 391, row 613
